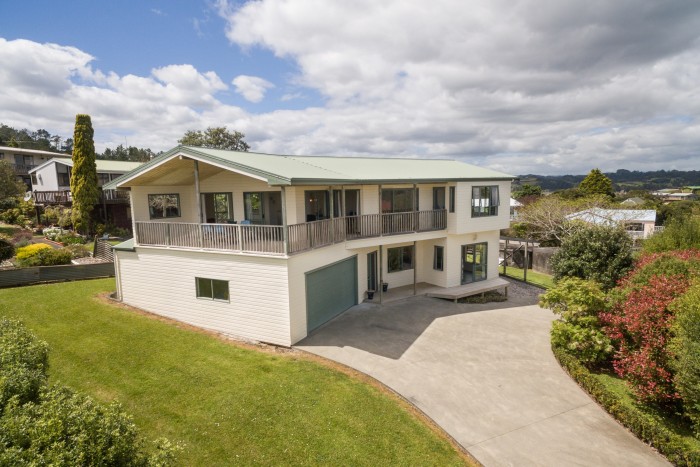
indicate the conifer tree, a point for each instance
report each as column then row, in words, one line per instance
column 596, row 183
column 83, row 180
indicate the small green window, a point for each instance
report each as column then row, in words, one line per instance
column 212, row 289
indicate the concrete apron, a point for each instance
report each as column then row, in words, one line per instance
column 486, row 375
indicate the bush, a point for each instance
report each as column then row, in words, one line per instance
column 21, row 214
column 57, row 215
column 578, row 303
column 685, row 346
column 7, row 249
column 679, row 234
column 71, row 239
column 65, row 428
column 23, row 363
column 676, row 449
column 640, row 321
column 40, row 254
column 53, row 233
column 598, row 252
column 78, row 251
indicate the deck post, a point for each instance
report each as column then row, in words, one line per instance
column 381, row 278
column 505, row 257
column 526, row 262
column 416, row 201
column 196, row 192
column 381, row 223
column 415, row 266
column 285, row 232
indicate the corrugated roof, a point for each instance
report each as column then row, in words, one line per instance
column 101, row 164
column 607, row 216
column 300, row 170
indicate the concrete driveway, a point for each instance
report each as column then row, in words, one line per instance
column 485, row 374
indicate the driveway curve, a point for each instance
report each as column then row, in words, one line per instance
column 487, row 376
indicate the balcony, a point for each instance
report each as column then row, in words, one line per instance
column 114, row 196
column 53, row 197
column 23, row 169
column 270, row 239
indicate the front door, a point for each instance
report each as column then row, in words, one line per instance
column 372, row 271
column 254, row 207
column 474, row 262
column 217, row 207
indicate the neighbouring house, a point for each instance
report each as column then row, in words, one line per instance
column 268, row 247
column 50, row 183
column 639, row 223
column 673, row 194
column 24, row 160
column 514, row 206
column 633, row 202
column 691, row 189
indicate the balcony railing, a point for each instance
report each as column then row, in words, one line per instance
column 269, row 239
column 118, row 196
column 53, row 197
column 23, row 169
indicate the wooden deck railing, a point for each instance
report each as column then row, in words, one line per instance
column 269, row 239
column 65, row 197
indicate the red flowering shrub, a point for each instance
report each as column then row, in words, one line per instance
column 640, row 321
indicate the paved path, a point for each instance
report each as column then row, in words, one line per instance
column 486, row 374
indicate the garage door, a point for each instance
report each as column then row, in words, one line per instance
column 330, row 291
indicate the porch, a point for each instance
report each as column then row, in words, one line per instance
column 281, row 240
column 449, row 293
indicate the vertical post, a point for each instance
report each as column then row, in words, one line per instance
column 381, row 277
column 526, row 260
column 416, row 222
column 133, row 215
column 285, row 233
column 196, row 192
column 342, row 199
column 505, row 257
column 381, row 224
column 415, row 265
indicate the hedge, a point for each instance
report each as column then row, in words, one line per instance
column 645, row 426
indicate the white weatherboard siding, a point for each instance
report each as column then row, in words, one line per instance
column 300, row 264
column 47, row 179
column 464, row 222
column 453, row 254
column 163, row 282
column 237, row 185
column 139, row 196
column 425, row 256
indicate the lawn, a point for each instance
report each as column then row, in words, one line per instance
column 533, row 277
column 227, row 403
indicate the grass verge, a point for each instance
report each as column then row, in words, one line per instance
column 670, row 436
column 533, row 277
column 228, row 403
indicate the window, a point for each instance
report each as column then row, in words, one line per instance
column 452, row 199
column 212, row 289
column 217, row 207
column 399, row 200
column 438, row 255
column 485, row 201
column 63, row 174
column 163, row 206
column 400, row 259
column 102, row 178
column 34, row 180
column 317, row 205
column 439, row 198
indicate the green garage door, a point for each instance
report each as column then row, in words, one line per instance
column 330, row 291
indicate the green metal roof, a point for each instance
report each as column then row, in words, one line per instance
column 323, row 170
column 101, row 164
column 127, row 245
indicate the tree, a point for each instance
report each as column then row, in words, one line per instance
column 545, row 220
column 10, row 187
column 602, row 253
column 83, row 180
column 527, row 190
column 215, row 138
column 596, row 183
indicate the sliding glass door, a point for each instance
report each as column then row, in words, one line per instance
column 474, row 265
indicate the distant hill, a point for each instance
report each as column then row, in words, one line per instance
column 622, row 180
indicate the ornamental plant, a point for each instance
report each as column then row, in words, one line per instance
column 640, row 320
column 83, row 181
column 578, row 330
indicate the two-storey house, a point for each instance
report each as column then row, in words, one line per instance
column 24, row 160
column 269, row 247
column 50, row 184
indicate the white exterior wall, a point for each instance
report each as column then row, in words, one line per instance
column 236, row 184
column 302, row 263
column 453, row 254
column 47, row 179
column 163, row 282
column 461, row 221
column 425, row 256
column 188, row 208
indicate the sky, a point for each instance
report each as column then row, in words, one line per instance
column 520, row 86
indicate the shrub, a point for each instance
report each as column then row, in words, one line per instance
column 65, row 428
column 57, row 215
column 53, row 233
column 23, row 363
column 21, row 214
column 597, row 252
column 640, row 321
column 71, row 239
column 685, row 346
column 78, row 251
column 40, row 254
column 679, row 234
column 578, row 330
column 7, row 249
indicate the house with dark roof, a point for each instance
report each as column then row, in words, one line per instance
column 270, row 247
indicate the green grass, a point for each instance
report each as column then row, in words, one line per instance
column 8, row 230
column 228, row 404
column 533, row 277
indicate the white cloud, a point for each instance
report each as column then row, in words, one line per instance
column 252, row 88
column 518, row 86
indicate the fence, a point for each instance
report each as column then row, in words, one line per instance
column 67, row 272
